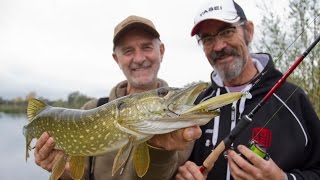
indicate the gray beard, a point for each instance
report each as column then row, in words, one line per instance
column 227, row 72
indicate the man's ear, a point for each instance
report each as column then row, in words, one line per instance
column 249, row 31
column 162, row 50
column 115, row 58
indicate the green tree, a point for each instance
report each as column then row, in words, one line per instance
column 299, row 25
column 1, row 101
column 76, row 99
column 59, row 103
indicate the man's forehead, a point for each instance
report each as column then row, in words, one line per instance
column 210, row 25
column 134, row 42
column 135, row 35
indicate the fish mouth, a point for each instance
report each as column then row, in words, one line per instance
column 214, row 103
column 184, row 99
column 182, row 103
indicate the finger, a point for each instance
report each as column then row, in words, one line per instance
column 170, row 141
column 161, row 141
column 178, row 140
column 184, row 173
column 234, row 169
column 192, row 133
column 187, row 175
column 238, row 166
column 177, row 135
column 41, row 141
column 251, row 156
column 179, row 177
column 46, row 149
column 49, row 161
column 194, row 170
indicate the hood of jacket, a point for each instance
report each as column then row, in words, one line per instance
column 267, row 77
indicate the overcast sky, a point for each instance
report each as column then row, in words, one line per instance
column 55, row 47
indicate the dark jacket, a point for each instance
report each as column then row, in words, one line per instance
column 291, row 135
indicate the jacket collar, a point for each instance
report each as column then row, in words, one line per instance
column 120, row 89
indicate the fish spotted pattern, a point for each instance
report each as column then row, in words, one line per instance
column 124, row 124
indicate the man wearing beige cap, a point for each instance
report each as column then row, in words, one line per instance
column 138, row 51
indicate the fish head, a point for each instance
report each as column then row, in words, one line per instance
column 183, row 99
column 167, row 109
column 164, row 100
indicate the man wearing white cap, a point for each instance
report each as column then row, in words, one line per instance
column 287, row 126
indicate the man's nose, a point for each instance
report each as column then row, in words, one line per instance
column 218, row 44
column 139, row 57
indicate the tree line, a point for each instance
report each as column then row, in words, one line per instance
column 287, row 36
column 19, row 105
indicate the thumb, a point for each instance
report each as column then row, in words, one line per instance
column 192, row 133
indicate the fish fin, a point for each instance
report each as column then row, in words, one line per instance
column 141, row 159
column 122, row 156
column 58, row 167
column 34, row 106
column 28, row 148
column 76, row 166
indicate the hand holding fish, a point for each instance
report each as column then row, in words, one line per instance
column 46, row 155
column 176, row 140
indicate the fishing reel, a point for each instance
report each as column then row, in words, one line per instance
column 258, row 149
column 255, row 147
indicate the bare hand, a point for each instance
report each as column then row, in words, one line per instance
column 176, row 140
column 45, row 154
column 259, row 169
column 190, row 171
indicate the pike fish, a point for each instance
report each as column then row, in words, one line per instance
column 124, row 124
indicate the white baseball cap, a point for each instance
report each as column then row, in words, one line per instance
column 222, row 10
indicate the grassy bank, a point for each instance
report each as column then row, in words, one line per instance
column 13, row 109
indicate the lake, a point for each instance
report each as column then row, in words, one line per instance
column 13, row 165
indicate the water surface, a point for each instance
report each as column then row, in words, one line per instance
column 13, row 165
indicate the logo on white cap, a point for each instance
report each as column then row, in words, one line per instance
column 215, row 8
column 221, row 10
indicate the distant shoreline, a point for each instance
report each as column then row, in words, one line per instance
column 13, row 109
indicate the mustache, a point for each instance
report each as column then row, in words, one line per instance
column 224, row 52
column 144, row 64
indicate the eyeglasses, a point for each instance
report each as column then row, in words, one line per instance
column 209, row 39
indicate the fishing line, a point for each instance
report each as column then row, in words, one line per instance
column 274, row 114
column 280, row 56
column 263, row 73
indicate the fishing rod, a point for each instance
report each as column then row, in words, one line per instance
column 208, row 163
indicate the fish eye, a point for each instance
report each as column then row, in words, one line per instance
column 120, row 105
column 162, row 92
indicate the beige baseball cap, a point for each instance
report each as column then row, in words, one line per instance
column 134, row 22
